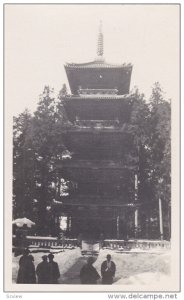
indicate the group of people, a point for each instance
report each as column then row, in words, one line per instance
column 89, row 275
column 46, row 271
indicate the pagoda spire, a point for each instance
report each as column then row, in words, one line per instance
column 100, row 42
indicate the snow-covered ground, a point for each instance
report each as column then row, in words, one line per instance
column 142, row 268
column 133, row 268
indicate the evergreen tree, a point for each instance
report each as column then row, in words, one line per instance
column 137, row 136
column 160, row 137
column 38, row 148
column 23, row 165
column 160, row 150
column 48, row 147
column 148, row 154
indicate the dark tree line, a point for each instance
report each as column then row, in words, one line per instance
column 38, row 147
column 149, row 129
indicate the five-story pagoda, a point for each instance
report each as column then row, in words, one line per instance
column 101, row 201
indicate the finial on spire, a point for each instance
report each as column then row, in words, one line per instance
column 100, row 41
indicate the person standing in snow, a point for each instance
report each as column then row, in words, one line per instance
column 88, row 274
column 32, row 274
column 108, row 269
column 26, row 272
column 42, row 270
column 54, row 273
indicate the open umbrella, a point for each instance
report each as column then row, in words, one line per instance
column 23, row 221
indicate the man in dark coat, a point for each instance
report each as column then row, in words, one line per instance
column 32, row 274
column 54, row 273
column 108, row 269
column 26, row 272
column 42, row 270
column 88, row 274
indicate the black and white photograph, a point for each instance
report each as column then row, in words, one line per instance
column 92, row 104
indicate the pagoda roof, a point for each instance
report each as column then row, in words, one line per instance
column 97, row 64
column 99, row 75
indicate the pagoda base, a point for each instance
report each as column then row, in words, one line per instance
column 98, row 223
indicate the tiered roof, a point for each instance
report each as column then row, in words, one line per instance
column 99, row 74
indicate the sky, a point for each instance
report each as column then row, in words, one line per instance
column 40, row 39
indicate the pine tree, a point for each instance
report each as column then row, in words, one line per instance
column 160, row 146
column 38, row 148
column 48, row 145
column 23, row 165
column 137, row 135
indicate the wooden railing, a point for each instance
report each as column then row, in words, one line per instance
column 49, row 242
column 136, row 244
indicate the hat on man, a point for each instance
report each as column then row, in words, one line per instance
column 90, row 260
column 31, row 257
column 44, row 257
column 26, row 251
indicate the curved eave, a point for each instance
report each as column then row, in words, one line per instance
column 96, row 64
column 96, row 97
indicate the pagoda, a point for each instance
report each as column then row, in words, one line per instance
column 100, row 201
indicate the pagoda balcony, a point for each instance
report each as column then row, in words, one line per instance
column 100, row 92
column 98, row 124
column 93, row 127
column 96, row 134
